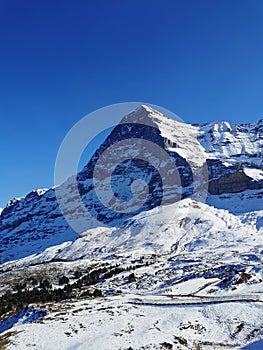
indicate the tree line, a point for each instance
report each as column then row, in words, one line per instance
column 44, row 292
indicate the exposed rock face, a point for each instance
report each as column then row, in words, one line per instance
column 230, row 183
column 167, row 182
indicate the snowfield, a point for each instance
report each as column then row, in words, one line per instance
column 114, row 323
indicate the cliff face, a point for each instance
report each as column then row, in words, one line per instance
column 135, row 150
column 230, row 183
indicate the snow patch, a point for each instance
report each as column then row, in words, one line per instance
column 256, row 174
column 26, row 315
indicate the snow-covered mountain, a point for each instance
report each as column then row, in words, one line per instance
column 173, row 244
column 228, row 158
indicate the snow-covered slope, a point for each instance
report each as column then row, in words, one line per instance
column 189, row 237
column 114, row 323
column 31, row 224
column 208, row 259
column 230, row 142
column 185, row 228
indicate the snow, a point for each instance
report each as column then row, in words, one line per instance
column 255, row 346
column 114, row 323
column 191, row 286
column 118, row 322
column 13, row 201
column 26, row 315
column 255, row 174
column 192, row 226
column 237, row 203
column 232, row 143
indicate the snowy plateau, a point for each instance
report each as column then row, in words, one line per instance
column 184, row 271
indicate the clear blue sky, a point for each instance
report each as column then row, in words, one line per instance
column 202, row 59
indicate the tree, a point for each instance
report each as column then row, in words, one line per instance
column 97, row 293
column 63, row 280
column 131, row 278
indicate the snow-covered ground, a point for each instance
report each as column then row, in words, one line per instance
column 115, row 323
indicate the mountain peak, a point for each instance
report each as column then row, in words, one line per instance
column 146, row 109
column 144, row 114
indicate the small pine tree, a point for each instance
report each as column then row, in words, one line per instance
column 97, row 293
column 131, row 278
column 63, row 280
column 77, row 274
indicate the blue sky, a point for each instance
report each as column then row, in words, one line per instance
column 63, row 59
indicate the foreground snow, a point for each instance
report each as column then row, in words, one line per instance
column 114, row 323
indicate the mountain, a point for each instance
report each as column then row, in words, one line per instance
column 169, row 255
column 217, row 163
